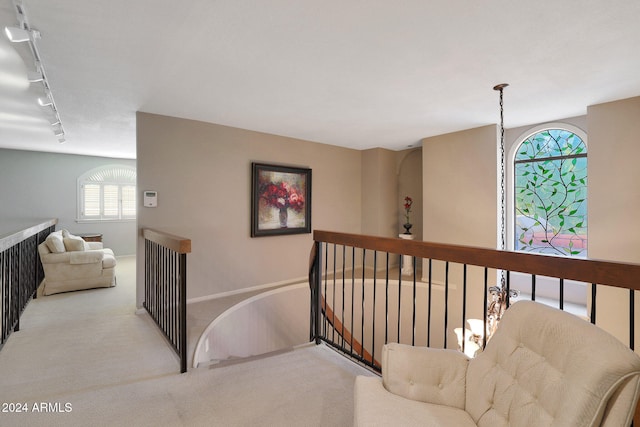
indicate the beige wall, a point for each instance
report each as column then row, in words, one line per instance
column 614, row 201
column 614, row 180
column 202, row 173
column 459, row 187
column 459, row 207
column 410, row 184
column 379, row 191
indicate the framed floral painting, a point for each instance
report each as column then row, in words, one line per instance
column 280, row 200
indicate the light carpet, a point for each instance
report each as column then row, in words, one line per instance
column 85, row 358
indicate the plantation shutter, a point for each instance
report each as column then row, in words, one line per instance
column 128, row 201
column 91, row 206
column 110, row 198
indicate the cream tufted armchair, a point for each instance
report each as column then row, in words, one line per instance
column 543, row 367
column 71, row 264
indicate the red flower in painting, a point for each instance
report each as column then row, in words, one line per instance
column 282, row 195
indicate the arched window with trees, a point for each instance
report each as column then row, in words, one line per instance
column 550, row 193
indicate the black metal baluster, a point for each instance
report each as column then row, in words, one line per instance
column 333, row 299
column 183, row 311
column 446, row 301
column 362, row 308
column 373, row 308
column 464, row 306
column 399, row 295
column 413, row 329
column 325, row 335
column 344, row 263
column 3, row 293
column 533, row 287
column 353, row 297
column 386, row 303
column 508, row 288
column 561, row 302
column 632, row 316
column 593, row 303
column 484, row 305
column 429, row 306
column 317, row 333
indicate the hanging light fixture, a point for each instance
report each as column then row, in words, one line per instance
column 500, row 294
column 472, row 341
column 24, row 33
column 501, row 88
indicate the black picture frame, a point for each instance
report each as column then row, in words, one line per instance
column 280, row 200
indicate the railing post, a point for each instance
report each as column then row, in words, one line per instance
column 317, row 287
column 183, row 312
column 166, row 287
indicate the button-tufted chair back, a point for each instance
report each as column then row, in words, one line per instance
column 545, row 367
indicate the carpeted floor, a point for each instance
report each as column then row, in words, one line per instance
column 85, row 358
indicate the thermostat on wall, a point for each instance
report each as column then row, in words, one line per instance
column 150, row 199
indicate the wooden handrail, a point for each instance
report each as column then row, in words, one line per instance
column 175, row 243
column 25, row 232
column 622, row 275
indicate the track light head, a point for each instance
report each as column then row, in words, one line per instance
column 35, row 76
column 18, row 35
column 45, row 101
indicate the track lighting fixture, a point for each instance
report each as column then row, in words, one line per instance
column 24, row 33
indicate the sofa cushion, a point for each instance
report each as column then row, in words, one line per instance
column 440, row 379
column 74, row 243
column 375, row 406
column 55, row 243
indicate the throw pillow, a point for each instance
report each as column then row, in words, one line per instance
column 73, row 243
column 54, row 242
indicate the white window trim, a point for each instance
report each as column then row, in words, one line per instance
column 85, row 179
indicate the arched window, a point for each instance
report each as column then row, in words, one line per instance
column 550, row 193
column 107, row 193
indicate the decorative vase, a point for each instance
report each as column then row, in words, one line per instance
column 407, row 228
column 284, row 216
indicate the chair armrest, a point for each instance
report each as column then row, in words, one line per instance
column 87, row 257
column 94, row 245
column 425, row 374
column 52, row 258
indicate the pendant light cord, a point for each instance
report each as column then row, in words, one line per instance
column 503, row 219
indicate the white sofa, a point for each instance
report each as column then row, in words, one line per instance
column 543, row 367
column 71, row 264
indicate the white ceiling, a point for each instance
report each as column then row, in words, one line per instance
column 354, row 73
